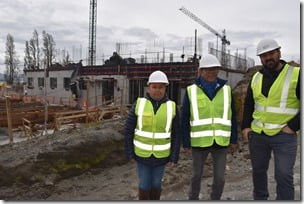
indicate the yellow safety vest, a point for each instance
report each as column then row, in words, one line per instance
column 273, row 112
column 210, row 120
column 153, row 131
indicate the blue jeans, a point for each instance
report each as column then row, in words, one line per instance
column 284, row 147
column 199, row 156
column 150, row 177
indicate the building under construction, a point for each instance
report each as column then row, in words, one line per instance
column 120, row 82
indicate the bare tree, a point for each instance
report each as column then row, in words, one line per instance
column 11, row 60
column 48, row 48
column 32, row 49
column 28, row 60
column 36, row 40
column 32, row 52
column 35, row 50
column 65, row 57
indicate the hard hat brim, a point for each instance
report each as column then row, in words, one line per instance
column 268, row 50
column 157, row 82
column 211, row 66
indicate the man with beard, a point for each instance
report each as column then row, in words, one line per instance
column 271, row 119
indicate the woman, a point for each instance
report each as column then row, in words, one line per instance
column 151, row 136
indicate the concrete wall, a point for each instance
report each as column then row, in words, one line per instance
column 94, row 90
column 231, row 77
column 121, row 86
column 120, row 89
column 58, row 92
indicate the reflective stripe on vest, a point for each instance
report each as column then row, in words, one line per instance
column 267, row 125
column 272, row 113
column 212, row 120
column 153, row 131
column 210, row 132
column 151, row 147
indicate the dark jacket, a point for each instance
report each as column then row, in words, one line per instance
column 130, row 126
column 185, row 113
column 268, row 80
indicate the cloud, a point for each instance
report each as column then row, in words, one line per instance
column 139, row 25
column 140, row 33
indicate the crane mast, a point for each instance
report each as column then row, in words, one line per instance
column 92, row 32
column 205, row 25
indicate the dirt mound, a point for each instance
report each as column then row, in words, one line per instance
column 89, row 164
column 52, row 158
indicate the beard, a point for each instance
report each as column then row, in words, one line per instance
column 271, row 64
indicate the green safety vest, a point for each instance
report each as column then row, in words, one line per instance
column 153, row 131
column 272, row 113
column 210, row 120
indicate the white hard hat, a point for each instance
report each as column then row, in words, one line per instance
column 208, row 61
column 267, row 45
column 158, row 77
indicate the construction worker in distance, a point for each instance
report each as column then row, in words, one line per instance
column 152, row 136
column 271, row 119
column 209, row 125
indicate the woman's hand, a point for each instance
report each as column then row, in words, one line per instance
column 170, row 164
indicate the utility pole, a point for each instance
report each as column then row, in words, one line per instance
column 195, row 47
column 121, row 101
column 9, row 118
column 88, row 100
column 45, row 102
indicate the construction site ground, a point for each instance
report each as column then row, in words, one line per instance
column 48, row 168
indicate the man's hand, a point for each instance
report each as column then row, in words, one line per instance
column 233, row 147
column 287, row 130
column 245, row 134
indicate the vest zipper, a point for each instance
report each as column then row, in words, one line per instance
column 212, row 125
column 153, row 129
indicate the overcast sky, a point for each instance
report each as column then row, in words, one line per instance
column 151, row 25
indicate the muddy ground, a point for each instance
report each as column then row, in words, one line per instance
column 30, row 170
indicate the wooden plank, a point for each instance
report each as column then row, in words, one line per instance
column 27, row 127
column 72, row 116
column 67, row 118
column 68, row 112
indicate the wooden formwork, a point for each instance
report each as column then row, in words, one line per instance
column 30, row 117
column 69, row 117
column 28, row 128
column 34, row 112
column 108, row 112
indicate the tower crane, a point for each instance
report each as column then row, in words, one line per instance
column 218, row 35
column 92, row 32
